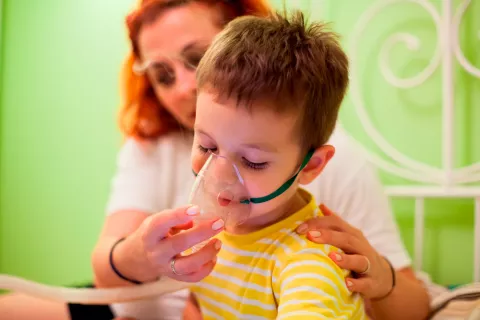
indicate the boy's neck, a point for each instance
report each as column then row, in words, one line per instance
column 295, row 203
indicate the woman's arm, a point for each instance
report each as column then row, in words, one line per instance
column 398, row 305
column 116, row 226
column 150, row 245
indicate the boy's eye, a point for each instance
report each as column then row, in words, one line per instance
column 255, row 165
column 205, row 150
column 245, row 162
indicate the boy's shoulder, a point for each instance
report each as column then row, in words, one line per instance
column 295, row 248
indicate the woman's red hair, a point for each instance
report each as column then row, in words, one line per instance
column 141, row 115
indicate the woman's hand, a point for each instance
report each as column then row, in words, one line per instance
column 156, row 246
column 372, row 275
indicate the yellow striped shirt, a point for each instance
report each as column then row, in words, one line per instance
column 274, row 273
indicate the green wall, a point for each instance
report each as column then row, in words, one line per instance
column 58, row 138
column 58, row 132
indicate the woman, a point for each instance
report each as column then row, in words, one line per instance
column 150, row 189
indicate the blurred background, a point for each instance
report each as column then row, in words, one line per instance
column 59, row 96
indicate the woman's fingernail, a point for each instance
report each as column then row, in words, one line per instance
column 193, row 210
column 218, row 245
column 302, row 228
column 337, row 257
column 315, row 234
column 349, row 283
column 218, row 224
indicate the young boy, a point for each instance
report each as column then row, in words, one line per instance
column 269, row 91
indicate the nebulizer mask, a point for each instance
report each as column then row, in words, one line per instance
column 220, row 193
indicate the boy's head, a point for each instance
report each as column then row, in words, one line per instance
column 269, row 91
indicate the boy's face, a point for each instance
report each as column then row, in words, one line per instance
column 263, row 145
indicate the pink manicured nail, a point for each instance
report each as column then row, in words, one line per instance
column 315, row 234
column 302, row 228
column 193, row 210
column 217, row 225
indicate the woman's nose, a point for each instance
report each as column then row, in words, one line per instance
column 187, row 83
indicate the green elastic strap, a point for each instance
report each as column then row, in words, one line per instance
column 283, row 187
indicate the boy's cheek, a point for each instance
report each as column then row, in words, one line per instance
column 262, row 184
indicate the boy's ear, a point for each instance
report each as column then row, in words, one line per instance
column 315, row 166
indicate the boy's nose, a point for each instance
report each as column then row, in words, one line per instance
column 224, row 171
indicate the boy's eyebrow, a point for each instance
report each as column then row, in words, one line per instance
column 202, row 132
column 260, row 146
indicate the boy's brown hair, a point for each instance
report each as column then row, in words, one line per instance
column 280, row 59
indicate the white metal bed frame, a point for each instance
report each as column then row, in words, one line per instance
column 445, row 182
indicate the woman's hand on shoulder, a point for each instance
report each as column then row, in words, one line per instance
column 371, row 273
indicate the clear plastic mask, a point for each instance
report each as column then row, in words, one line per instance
column 219, row 192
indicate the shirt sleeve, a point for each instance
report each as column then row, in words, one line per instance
column 311, row 286
column 135, row 183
